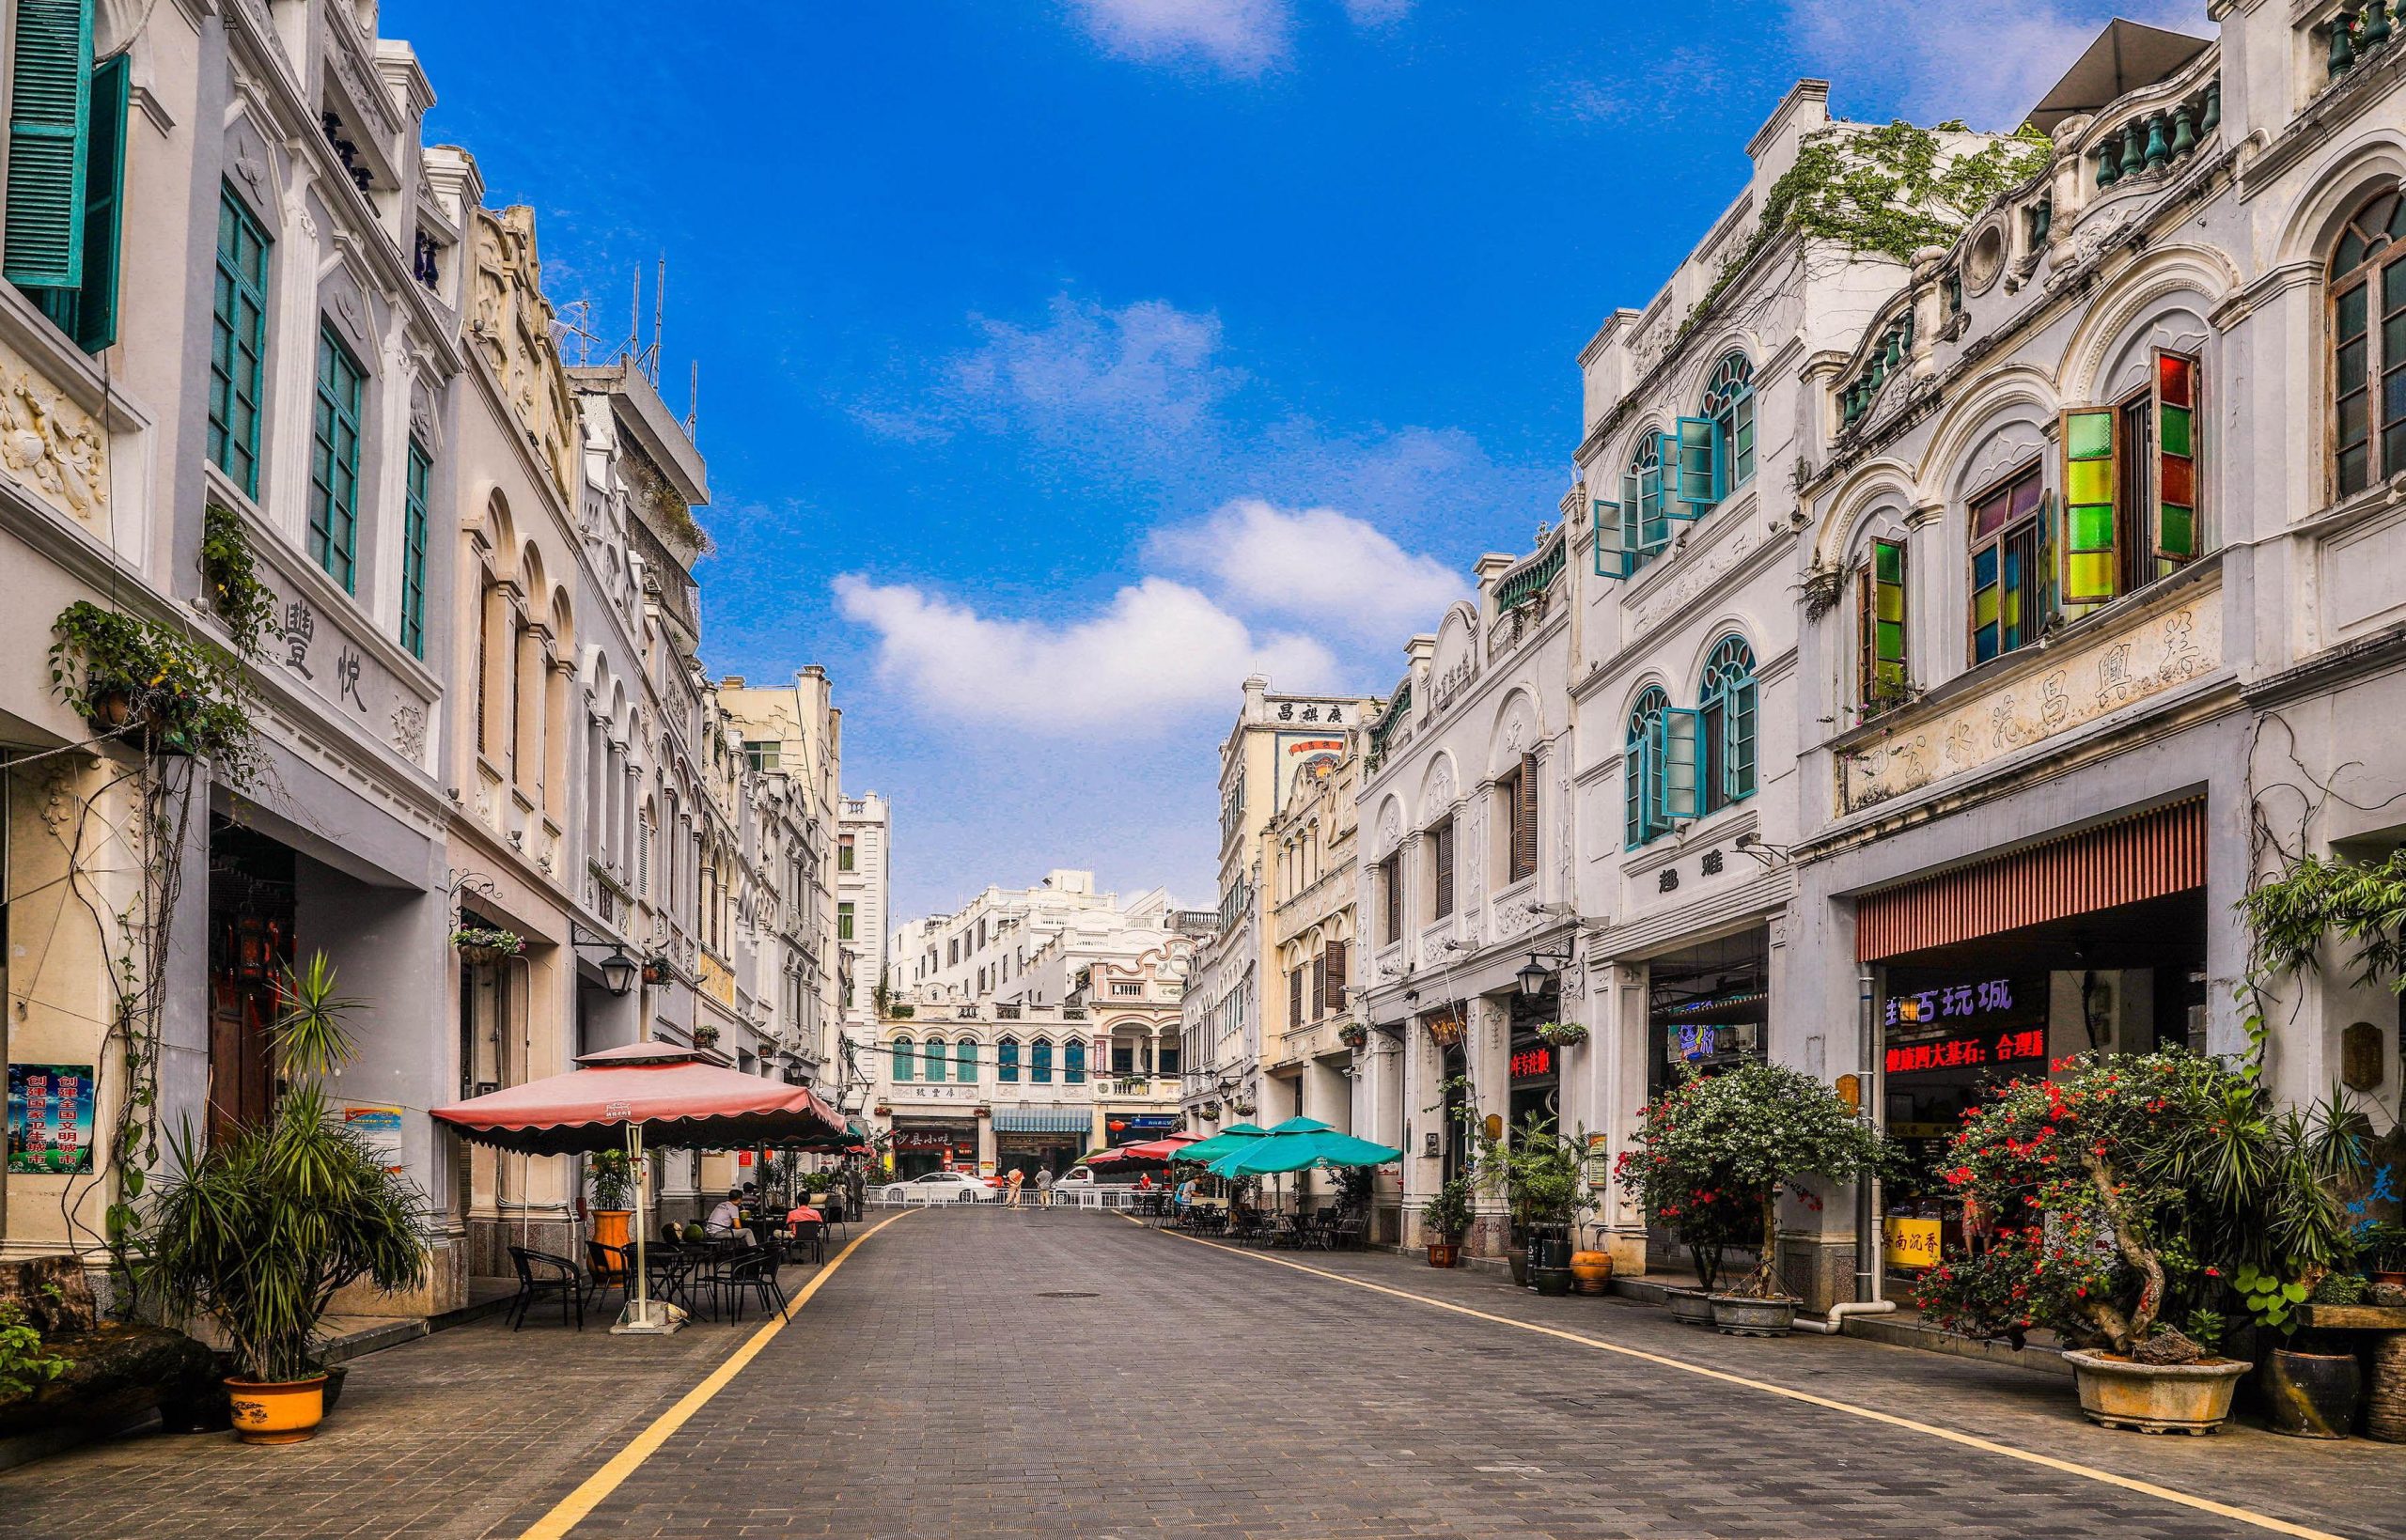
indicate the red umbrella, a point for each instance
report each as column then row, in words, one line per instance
column 679, row 1097
column 1157, row 1151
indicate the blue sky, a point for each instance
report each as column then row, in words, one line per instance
column 1065, row 361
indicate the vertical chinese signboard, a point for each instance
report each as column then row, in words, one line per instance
column 50, row 1119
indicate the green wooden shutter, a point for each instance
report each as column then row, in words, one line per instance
column 2176, row 456
column 2092, row 562
column 902, row 1058
column 1653, row 524
column 415, row 520
column 49, row 108
column 1612, row 552
column 95, row 325
column 1677, row 787
column 1692, row 467
column 1634, row 796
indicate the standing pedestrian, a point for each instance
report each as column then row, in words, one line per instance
column 1017, row 1177
column 1044, row 1187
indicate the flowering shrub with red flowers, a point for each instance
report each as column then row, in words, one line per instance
column 2116, row 1194
column 1712, row 1154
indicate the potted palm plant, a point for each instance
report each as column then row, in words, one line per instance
column 1447, row 1216
column 613, row 1176
column 259, row 1230
column 1543, row 1178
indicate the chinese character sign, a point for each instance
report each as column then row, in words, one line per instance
column 50, row 1119
column 2028, row 1043
column 1532, row 1062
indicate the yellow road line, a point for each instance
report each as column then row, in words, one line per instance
column 571, row 1509
column 2129, row 1483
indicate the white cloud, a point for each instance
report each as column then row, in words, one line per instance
column 1985, row 66
column 1377, row 12
column 1329, row 567
column 1160, row 650
column 1148, row 365
column 1241, row 36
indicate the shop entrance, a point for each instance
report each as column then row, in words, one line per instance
column 1959, row 1018
column 251, row 914
column 1707, row 1008
column 1534, row 1069
column 920, row 1149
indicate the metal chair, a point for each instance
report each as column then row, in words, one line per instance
column 754, row 1274
column 541, row 1273
column 608, row 1268
column 809, row 1240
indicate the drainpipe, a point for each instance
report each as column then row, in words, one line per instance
column 1867, row 1275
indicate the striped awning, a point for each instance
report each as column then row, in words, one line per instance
column 1042, row 1120
column 2147, row 855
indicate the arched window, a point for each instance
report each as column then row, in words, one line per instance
column 2368, row 345
column 902, row 1070
column 965, row 1061
column 1642, row 769
column 1073, row 1060
column 1040, row 1067
column 1726, row 713
column 1729, row 403
column 1646, row 523
column 932, row 1057
column 1006, row 1061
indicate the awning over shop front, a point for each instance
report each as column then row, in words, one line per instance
column 1042, row 1120
column 2129, row 861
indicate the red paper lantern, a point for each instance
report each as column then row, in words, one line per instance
column 1116, row 1125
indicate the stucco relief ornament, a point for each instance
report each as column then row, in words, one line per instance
column 51, row 446
column 254, row 174
column 409, row 731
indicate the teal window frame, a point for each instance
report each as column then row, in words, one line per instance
column 1645, row 522
column 333, row 460
column 903, row 1051
column 1074, row 1062
column 934, row 1053
column 965, row 1061
column 1730, row 404
column 1729, row 720
column 1690, row 456
column 87, row 311
column 1006, row 1061
column 238, row 342
column 1039, row 1062
column 1642, row 769
column 414, row 522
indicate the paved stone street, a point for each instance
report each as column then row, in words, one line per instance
column 979, row 1372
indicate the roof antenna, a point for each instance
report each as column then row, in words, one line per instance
column 694, row 402
column 658, row 308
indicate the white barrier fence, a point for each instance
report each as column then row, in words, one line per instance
column 1113, row 1199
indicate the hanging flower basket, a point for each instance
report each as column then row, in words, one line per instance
column 655, row 972
column 1355, row 1035
column 1562, row 1033
column 705, row 1037
column 483, row 944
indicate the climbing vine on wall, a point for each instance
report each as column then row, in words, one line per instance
column 1886, row 191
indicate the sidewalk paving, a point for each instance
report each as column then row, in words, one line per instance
column 2355, row 1487
column 434, row 1437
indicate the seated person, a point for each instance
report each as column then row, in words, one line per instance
column 728, row 1218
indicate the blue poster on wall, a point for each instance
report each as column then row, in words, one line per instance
column 49, row 1120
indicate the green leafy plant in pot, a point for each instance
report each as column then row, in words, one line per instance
column 1543, row 1178
column 1447, row 1216
column 259, row 1231
column 1712, row 1156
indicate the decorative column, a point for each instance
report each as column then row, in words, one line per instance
column 1620, row 1039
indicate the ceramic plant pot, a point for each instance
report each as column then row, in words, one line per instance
column 1554, row 1283
column 1442, row 1253
column 1592, row 1271
column 277, row 1413
column 2155, row 1398
column 2312, row 1396
column 1742, row 1315
column 1691, row 1307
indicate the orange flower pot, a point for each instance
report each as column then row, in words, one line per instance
column 277, row 1413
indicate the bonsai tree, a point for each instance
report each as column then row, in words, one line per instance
column 2124, row 1192
column 613, row 1176
column 1714, row 1154
column 260, row 1230
column 1448, row 1212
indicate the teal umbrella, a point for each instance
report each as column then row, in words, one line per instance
column 1318, row 1146
column 1235, row 1137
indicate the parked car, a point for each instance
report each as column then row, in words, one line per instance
column 1078, row 1177
column 935, row 1187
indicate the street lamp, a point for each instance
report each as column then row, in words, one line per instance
column 619, row 972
